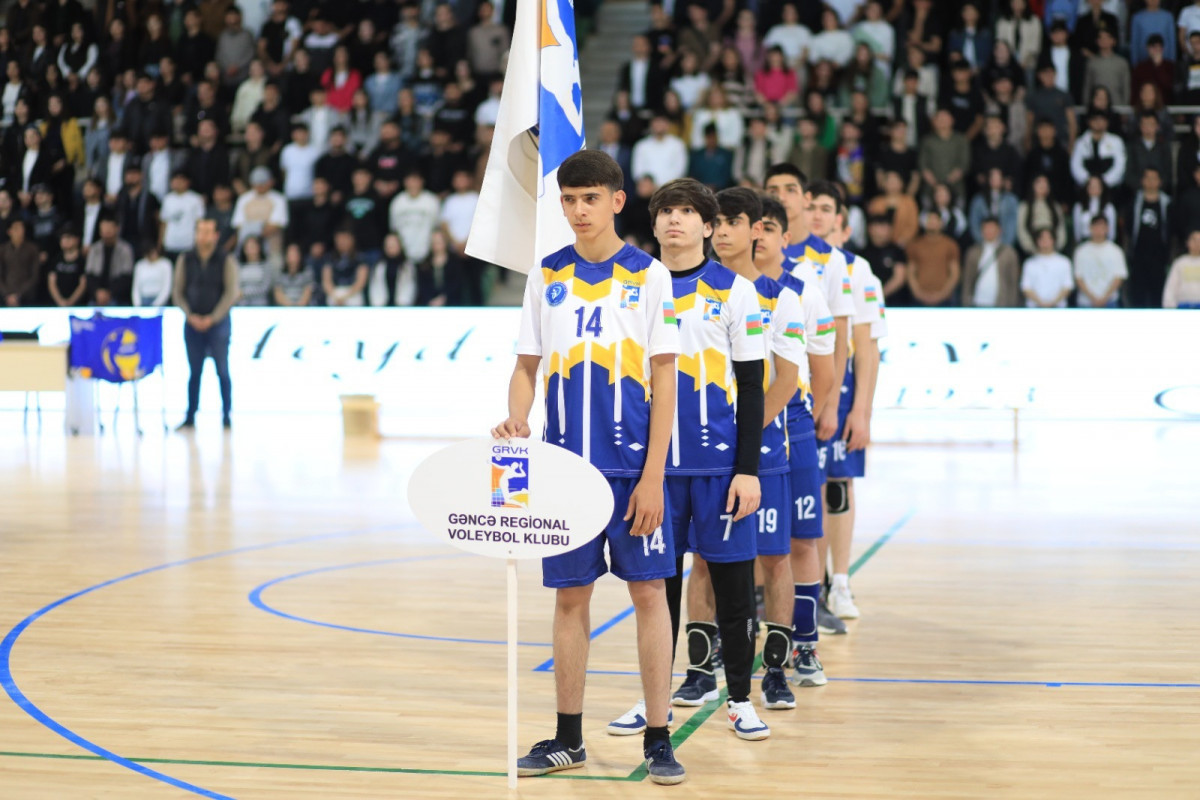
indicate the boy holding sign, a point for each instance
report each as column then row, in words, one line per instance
column 600, row 315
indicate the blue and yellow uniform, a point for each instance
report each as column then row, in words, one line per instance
column 806, row 475
column 719, row 323
column 783, row 318
column 595, row 327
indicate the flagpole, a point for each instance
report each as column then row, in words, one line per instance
column 512, row 673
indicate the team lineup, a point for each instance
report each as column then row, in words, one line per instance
column 727, row 400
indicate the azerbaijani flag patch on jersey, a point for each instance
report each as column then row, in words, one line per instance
column 825, row 326
column 870, row 294
column 754, row 326
column 794, row 330
column 669, row 313
column 846, row 285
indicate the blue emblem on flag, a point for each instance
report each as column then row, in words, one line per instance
column 556, row 293
column 116, row 350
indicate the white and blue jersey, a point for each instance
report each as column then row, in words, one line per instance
column 719, row 323
column 596, row 327
column 783, row 320
column 829, row 265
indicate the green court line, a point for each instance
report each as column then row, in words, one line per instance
column 677, row 739
column 323, row 767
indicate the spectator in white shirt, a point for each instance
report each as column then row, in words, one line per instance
column 1100, row 268
column 261, row 211
column 1098, row 153
column 458, row 209
column 661, row 155
column 1046, row 279
column 832, row 43
column 297, row 161
column 691, row 83
column 878, row 33
column 181, row 210
column 790, row 36
column 152, row 276
column 717, row 111
column 413, row 215
column 1182, row 289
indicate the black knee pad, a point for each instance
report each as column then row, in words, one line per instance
column 837, row 497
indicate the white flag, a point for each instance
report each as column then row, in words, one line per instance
column 519, row 220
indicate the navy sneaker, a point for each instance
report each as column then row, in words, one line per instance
column 775, row 691
column 698, row 688
column 548, row 756
column 807, row 666
column 662, row 766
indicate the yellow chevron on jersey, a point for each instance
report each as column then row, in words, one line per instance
column 630, row 364
column 715, row 371
column 714, row 299
column 630, row 281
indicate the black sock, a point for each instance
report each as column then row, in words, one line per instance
column 700, row 637
column 777, row 644
column 674, row 598
column 570, row 730
column 733, row 587
column 653, row 735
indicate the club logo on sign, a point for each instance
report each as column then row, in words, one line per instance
column 510, row 477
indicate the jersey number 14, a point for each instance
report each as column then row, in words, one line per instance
column 591, row 325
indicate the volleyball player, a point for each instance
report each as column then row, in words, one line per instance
column 713, row 462
column 793, row 585
column 586, row 303
column 848, row 446
column 787, row 184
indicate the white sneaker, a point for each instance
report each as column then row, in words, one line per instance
column 745, row 722
column 841, row 603
column 634, row 720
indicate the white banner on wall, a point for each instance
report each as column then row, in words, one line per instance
column 444, row 372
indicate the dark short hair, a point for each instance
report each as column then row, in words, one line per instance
column 787, row 168
column 591, row 168
column 826, row 189
column 990, row 218
column 1096, row 220
column 1154, row 39
column 738, row 200
column 685, row 192
column 773, row 210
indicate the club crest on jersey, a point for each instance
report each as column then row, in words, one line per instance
column 766, row 315
column 712, row 309
column 630, row 294
column 510, row 480
column 556, row 293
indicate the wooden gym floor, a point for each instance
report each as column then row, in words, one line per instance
column 258, row 616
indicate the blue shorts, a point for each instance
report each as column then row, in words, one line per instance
column 805, row 481
column 634, row 558
column 842, row 463
column 697, row 507
column 774, row 516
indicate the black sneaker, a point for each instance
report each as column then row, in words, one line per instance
column 550, row 755
column 226, row 424
column 698, row 688
column 775, row 691
column 186, row 425
column 661, row 764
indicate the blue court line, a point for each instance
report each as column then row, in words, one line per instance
column 257, row 601
column 8, row 682
column 548, row 664
column 955, row 681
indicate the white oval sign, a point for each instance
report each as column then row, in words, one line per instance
column 513, row 498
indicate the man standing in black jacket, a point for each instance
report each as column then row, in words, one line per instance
column 205, row 288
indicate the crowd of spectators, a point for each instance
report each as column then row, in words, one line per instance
column 994, row 152
column 338, row 145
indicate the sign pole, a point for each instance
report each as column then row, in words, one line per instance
column 512, row 673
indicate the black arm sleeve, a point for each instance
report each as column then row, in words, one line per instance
column 750, row 399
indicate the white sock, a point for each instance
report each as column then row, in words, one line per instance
column 841, row 582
